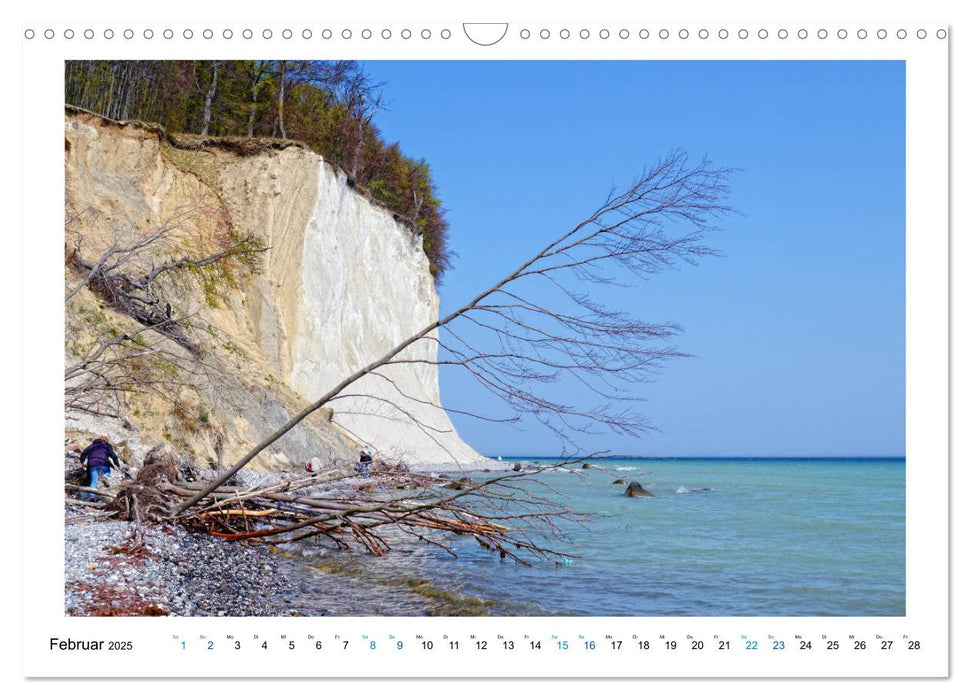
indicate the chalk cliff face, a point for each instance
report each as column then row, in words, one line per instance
column 366, row 288
column 341, row 284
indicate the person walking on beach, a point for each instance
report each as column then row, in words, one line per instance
column 364, row 464
column 98, row 457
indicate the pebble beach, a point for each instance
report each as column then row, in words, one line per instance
column 171, row 572
column 112, row 568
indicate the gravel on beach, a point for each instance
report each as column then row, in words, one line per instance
column 170, row 572
column 184, row 574
column 112, row 568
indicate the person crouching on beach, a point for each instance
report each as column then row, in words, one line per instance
column 313, row 466
column 98, row 457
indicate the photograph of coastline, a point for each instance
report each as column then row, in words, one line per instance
column 407, row 338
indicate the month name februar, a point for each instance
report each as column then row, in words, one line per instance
column 74, row 645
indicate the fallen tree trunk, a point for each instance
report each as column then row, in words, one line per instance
column 500, row 513
column 277, row 515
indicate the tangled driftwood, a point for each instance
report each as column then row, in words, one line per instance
column 146, row 498
column 505, row 514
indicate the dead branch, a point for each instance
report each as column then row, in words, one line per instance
column 500, row 513
column 164, row 352
column 658, row 222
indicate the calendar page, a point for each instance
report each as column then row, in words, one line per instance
column 485, row 349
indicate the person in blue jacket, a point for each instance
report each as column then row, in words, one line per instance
column 98, row 457
column 364, row 464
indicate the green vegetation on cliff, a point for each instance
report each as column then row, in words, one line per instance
column 328, row 105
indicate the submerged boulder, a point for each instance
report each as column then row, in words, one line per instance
column 634, row 489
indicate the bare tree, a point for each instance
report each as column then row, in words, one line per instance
column 654, row 224
column 282, row 81
column 510, row 514
column 332, row 76
column 258, row 72
column 126, row 275
column 128, row 250
column 161, row 352
column 363, row 99
column 210, row 94
column 122, row 365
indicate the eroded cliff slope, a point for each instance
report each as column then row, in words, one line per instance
column 339, row 283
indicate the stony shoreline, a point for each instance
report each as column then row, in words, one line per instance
column 178, row 573
column 112, row 568
column 109, row 570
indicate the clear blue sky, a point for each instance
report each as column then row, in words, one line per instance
column 797, row 333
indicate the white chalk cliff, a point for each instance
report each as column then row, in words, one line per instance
column 342, row 283
column 366, row 288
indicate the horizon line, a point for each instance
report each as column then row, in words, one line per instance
column 625, row 456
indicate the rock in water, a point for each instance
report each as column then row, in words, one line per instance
column 618, row 481
column 634, row 489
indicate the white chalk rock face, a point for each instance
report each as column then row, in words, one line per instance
column 342, row 284
column 366, row 287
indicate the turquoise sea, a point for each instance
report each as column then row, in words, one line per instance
column 721, row 537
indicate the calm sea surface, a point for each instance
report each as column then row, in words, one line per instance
column 722, row 537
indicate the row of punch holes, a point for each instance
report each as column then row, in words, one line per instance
column 488, row 34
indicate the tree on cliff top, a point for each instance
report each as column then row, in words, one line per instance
column 328, row 105
column 660, row 220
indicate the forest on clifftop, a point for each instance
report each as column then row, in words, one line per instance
column 327, row 105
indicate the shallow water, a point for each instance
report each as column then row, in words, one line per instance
column 725, row 537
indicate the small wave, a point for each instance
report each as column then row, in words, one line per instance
column 625, row 469
column 683, row 490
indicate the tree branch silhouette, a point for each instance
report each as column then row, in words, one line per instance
column 659, row 221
